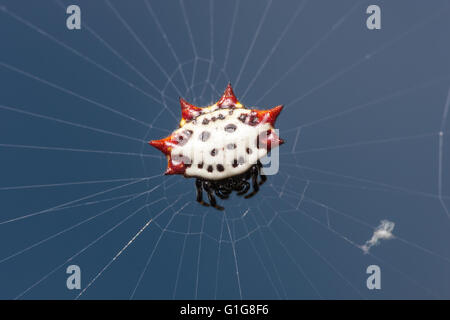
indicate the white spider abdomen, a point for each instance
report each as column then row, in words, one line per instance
column 219, row 144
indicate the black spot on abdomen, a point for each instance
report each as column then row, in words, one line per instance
column 237, row 162
column 183, row 138
column 230, row 128
column 204, row 136
column 243, row 117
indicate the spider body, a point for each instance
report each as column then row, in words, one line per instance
column 221, row 145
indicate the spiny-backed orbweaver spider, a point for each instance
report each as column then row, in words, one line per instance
column 221, row 146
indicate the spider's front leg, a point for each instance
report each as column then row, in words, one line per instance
column 212, row 199
column 198, row 185
column 254, row 173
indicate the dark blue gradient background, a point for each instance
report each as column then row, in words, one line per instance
column 370, row 105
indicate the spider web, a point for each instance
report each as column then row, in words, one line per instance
column 81, row 186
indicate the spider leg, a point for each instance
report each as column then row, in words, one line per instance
column 263, row 179
column 254, row 171
column 262, row 175
column 244, row 186
column 226, row 191
column 220, row 190
column 221, row 194
column 212, row 199
column 227, row 187
column 198, row 185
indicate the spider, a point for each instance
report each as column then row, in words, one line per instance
column 221, row 146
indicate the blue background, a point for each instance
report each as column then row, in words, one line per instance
column 363, row 112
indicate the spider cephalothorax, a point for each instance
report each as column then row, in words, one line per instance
column 221, row 145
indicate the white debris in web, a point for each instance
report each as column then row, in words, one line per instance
column 382, row 232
